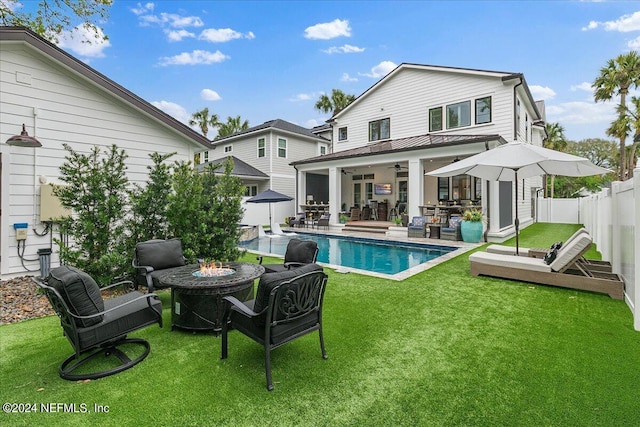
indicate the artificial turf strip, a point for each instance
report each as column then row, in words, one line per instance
column 441, row 348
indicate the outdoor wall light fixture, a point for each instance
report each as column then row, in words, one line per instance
column 24, row 140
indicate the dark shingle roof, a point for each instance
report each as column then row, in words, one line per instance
column 240, row 168
column 271, row 124
column 403, row 144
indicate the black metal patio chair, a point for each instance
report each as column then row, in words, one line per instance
column 153, row 258
column 96, row 327
column 299, row 253
column 287, row 306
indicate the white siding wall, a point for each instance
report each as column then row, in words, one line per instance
column 59, row 106
column 406, row 98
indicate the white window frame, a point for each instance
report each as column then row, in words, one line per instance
column 458, row 106
column 250, row 190
column 205, row 157
column 228, row 148
column 346, row 134
column 280, row 148
column 263, row 148
column 323, row 149
column 482, row 98
column 381, row 137
column 431, row 127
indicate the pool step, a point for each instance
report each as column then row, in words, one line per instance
column 368, row 229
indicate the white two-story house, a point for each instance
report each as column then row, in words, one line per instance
column 419, row 118
column 263, row 155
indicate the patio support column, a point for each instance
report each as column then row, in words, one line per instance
column 302, row 191
column 334, row 194
column 493, row 206
column 415, row 196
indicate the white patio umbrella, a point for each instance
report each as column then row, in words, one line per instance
column 513, row 161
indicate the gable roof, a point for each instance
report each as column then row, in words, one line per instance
column 277, row 124
column 25, row 35
column 504, row 75
column 240, row 168
column 403, row 144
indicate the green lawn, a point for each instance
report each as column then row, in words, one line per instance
column 441, row 348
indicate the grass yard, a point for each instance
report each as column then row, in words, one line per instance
column 441, row 348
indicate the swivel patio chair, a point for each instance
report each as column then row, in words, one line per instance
column 323, row 221
column 97, row 327
column 287, row 306
column 299, row 252
column 153, row 258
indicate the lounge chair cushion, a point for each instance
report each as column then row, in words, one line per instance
column 499, row 260
column 80, row 292
column 418, row 221
column 268, row 281
column 571, row 251
column 160, row 254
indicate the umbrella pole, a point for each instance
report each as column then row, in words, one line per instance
column 517, row 221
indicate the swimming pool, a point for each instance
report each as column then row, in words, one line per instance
column 384, row 258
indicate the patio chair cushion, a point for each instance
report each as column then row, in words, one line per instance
column 302, row 251
column 268, row 281
column 160, row 254
column 80, row 292
column 570, row 251
column 418, row 221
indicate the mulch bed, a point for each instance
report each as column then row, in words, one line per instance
column 20, row 300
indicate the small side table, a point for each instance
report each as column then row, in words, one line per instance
column 434, row 231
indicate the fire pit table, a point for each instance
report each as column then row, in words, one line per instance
column 196, row 300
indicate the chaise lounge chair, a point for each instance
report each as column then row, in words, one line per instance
column 561, row 270
column 593, row 265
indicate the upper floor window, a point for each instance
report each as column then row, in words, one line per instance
column 435, row 119
column 526, row 126
column 342, row 134
column 282, row 148
column 250, row 190
column 228, row 148
column 483, row 110
column 379, row 129
column 323, row 150
column 517, row 117
column 459, row 115
column 261, row 147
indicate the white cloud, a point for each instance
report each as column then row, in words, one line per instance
column 347, row 78
column 84, row 42
column 223, row 35
column 194, row 58
column 174, row 110
column 311, row 123
column 210, row 95
column 542, row 92
column 380, row 70
column 12, row 5
column 585, row 86
column 578, row 112
column 347, row 48
column 305, row 96
column 624, row 24
column 328, row 30
column 178, row 35
column 634, row 44
column 171, row 19
column 142, row 9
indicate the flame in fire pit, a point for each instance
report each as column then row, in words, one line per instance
column 213, row 269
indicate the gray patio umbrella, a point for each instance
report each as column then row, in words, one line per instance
column 269, row 196
column 517, row 160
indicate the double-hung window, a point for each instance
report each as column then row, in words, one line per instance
column 206, row 157
column 228, row 148
column 250, row 190
column 379, row 129
column 483, row 110
column 342, row 134
column 459, row 115
column 435, row 119
column 282, row 148
column 262, row 149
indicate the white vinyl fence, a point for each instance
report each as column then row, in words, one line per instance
column 612, row 217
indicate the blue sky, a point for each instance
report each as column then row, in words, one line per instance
column 264, row 60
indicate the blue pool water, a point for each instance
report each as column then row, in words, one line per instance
column 379, row 256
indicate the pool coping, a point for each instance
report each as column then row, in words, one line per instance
column 460, row 248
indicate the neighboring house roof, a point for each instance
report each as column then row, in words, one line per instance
column 504, row 75
column 21, row 34
column 321, row 128
column 278, row 124
column 403, row 144
column 240, row 168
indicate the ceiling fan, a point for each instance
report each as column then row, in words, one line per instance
column 345, row 172
column 397, row 167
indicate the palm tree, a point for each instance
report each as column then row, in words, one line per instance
column 337, row 102
column 555, row 140
column 203, row 120
column 616, row 78
column 233, row 125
